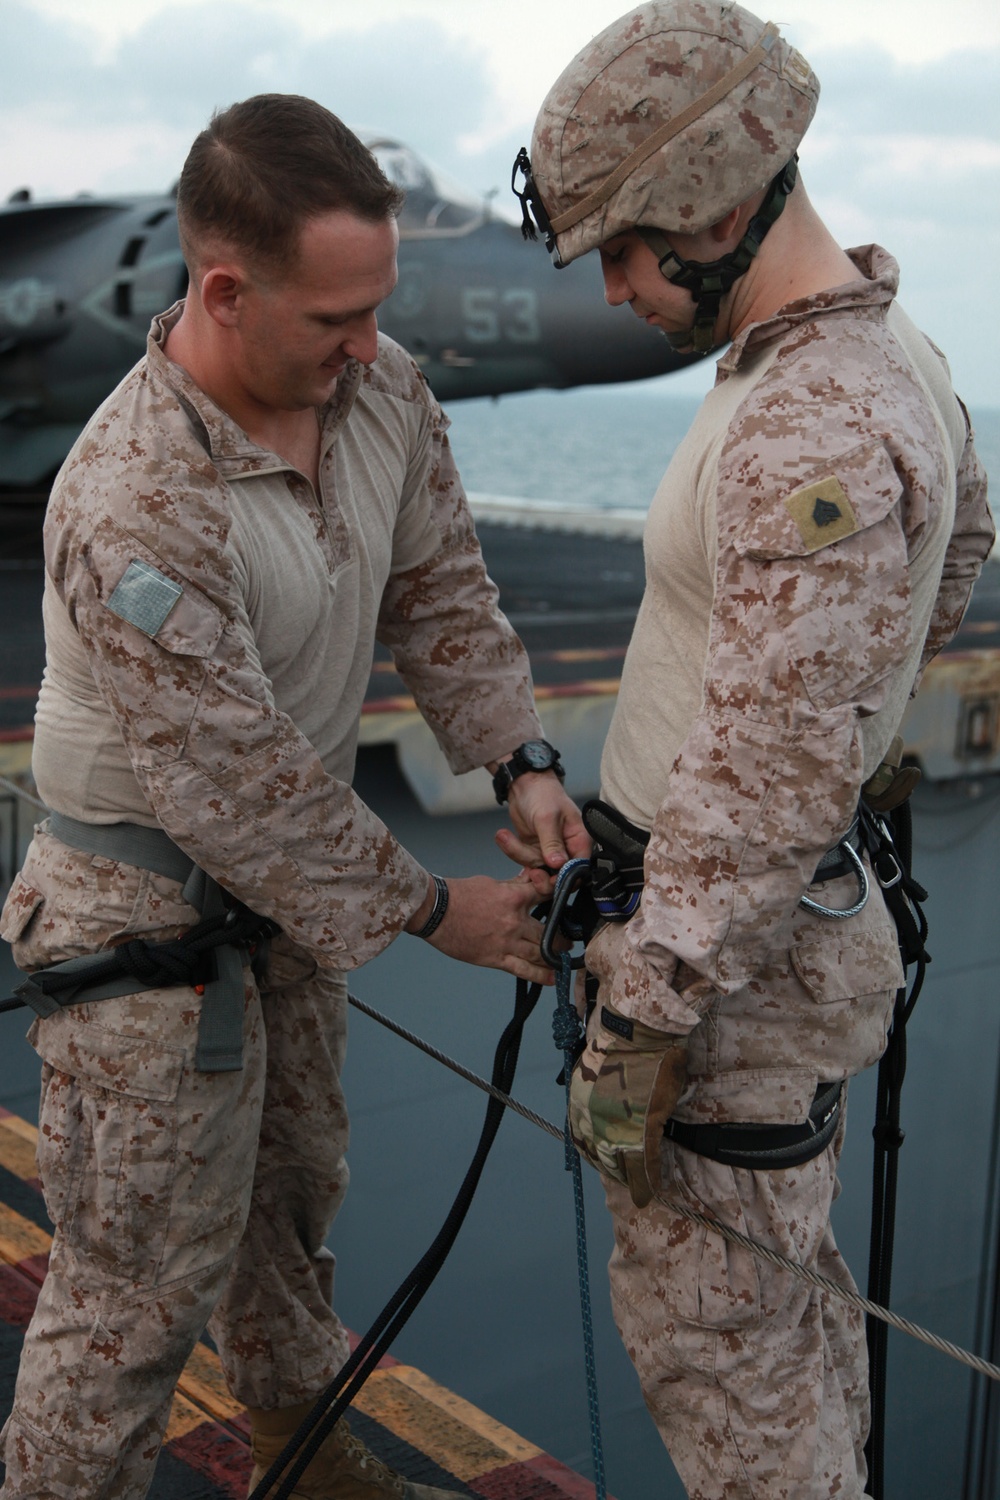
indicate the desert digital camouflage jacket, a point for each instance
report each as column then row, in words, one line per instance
column 843, row 477
column 210, row 624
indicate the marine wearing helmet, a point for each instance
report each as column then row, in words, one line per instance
column 666, row 121
column 809, row 549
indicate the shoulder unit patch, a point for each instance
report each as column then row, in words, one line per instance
column 144, row 597
column 822, row 512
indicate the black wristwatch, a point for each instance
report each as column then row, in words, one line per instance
column 533, row 755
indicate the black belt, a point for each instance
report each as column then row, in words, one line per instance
column 765, row 1148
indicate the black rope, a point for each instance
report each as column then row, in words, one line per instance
column 178, row 961
column 891, row 853
column 181, row 961
column 305, row 1443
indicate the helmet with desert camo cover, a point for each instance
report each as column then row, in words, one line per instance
column 671, row 117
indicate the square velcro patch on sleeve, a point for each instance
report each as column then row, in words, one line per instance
column 823, row 513
column 144, row 597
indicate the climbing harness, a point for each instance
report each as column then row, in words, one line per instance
column 765, row 1148
column 616, row 893
column 617, row 872
column 882, row 829
column 209, row 956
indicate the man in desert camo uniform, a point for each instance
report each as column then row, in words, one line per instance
column 269, row 491
column 812, row 545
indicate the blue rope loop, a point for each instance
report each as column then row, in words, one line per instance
column 568, row 1031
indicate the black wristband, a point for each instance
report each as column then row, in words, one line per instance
column 437, row 910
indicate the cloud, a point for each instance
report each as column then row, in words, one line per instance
column 903, row 153
column 908, row 155
column 42, row 60
column 864, row 89
column 411, row 77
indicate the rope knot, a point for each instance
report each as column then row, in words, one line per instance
column 567, row 1029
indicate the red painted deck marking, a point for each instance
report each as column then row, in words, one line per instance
column 216, row 1454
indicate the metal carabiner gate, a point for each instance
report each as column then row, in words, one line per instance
column 574, row 873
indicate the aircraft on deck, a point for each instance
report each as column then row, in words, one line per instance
column 482, row 315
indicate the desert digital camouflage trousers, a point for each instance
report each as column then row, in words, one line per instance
column 178, row 1197
column 758, row 1382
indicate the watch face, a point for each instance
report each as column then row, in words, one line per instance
column 537, row 754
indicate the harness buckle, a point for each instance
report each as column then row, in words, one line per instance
column 887, row 857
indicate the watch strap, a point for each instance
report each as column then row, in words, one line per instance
column 509, row 770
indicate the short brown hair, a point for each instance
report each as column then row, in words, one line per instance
column 265, row 166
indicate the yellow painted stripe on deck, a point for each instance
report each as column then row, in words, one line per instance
column 442, row 1434
column 19, row 1238
column 202, row 1380
column 17, row 1147
column 184, row 1418
column 516, row 1448
column 15, row 756
column 588, row 687
column 20, row 1127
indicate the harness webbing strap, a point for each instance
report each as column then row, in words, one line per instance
column 765, row 1148
column 129, row 843
column 220, row 1027
column 568, row 1035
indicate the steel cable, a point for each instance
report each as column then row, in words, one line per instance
column 733, row 1236
column 18, row 791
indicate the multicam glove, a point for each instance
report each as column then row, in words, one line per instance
column 624, row 1088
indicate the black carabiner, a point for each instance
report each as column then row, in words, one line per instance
column 569, row 879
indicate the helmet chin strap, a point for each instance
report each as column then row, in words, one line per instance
column 709, row 281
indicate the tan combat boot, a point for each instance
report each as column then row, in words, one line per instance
column 343, row 1469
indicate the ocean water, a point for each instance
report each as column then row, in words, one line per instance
column 606, row 445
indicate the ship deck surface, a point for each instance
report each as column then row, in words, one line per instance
column 410, row 1421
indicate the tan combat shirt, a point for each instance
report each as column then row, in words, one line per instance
column 210, row 622
column 812, row 546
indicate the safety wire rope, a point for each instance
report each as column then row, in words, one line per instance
column 733, row 1236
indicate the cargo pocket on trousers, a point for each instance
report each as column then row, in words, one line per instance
column 850, row 981
column 712, row 1284
column 851, row 967
column 107, row 1142
column 22, row 905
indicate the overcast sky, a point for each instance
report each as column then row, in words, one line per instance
column 106, row 95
